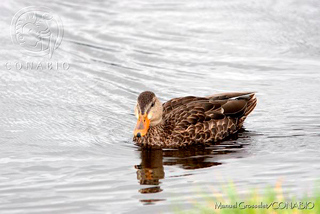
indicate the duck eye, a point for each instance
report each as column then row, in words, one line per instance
column 152, row 104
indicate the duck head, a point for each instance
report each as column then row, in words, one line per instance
column 148, row 111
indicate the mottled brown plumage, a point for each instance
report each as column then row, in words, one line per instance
column 194, row 120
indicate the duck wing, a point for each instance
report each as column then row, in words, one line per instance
column 207, row 118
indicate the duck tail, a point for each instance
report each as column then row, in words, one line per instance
column 251, row 104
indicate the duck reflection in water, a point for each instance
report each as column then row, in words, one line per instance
column 151, row 169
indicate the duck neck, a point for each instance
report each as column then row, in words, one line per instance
column 156, row 131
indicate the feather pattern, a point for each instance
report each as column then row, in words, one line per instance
column 199, row 120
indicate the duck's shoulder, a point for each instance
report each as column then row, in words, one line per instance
column 179, row 103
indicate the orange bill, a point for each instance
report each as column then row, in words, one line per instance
column 142, row 125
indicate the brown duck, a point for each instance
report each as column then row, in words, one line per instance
column 190, row 120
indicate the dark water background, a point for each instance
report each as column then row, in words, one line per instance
column 65, row 135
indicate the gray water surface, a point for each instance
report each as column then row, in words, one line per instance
column 65, row 135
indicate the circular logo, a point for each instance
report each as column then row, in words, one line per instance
column 37, row 30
